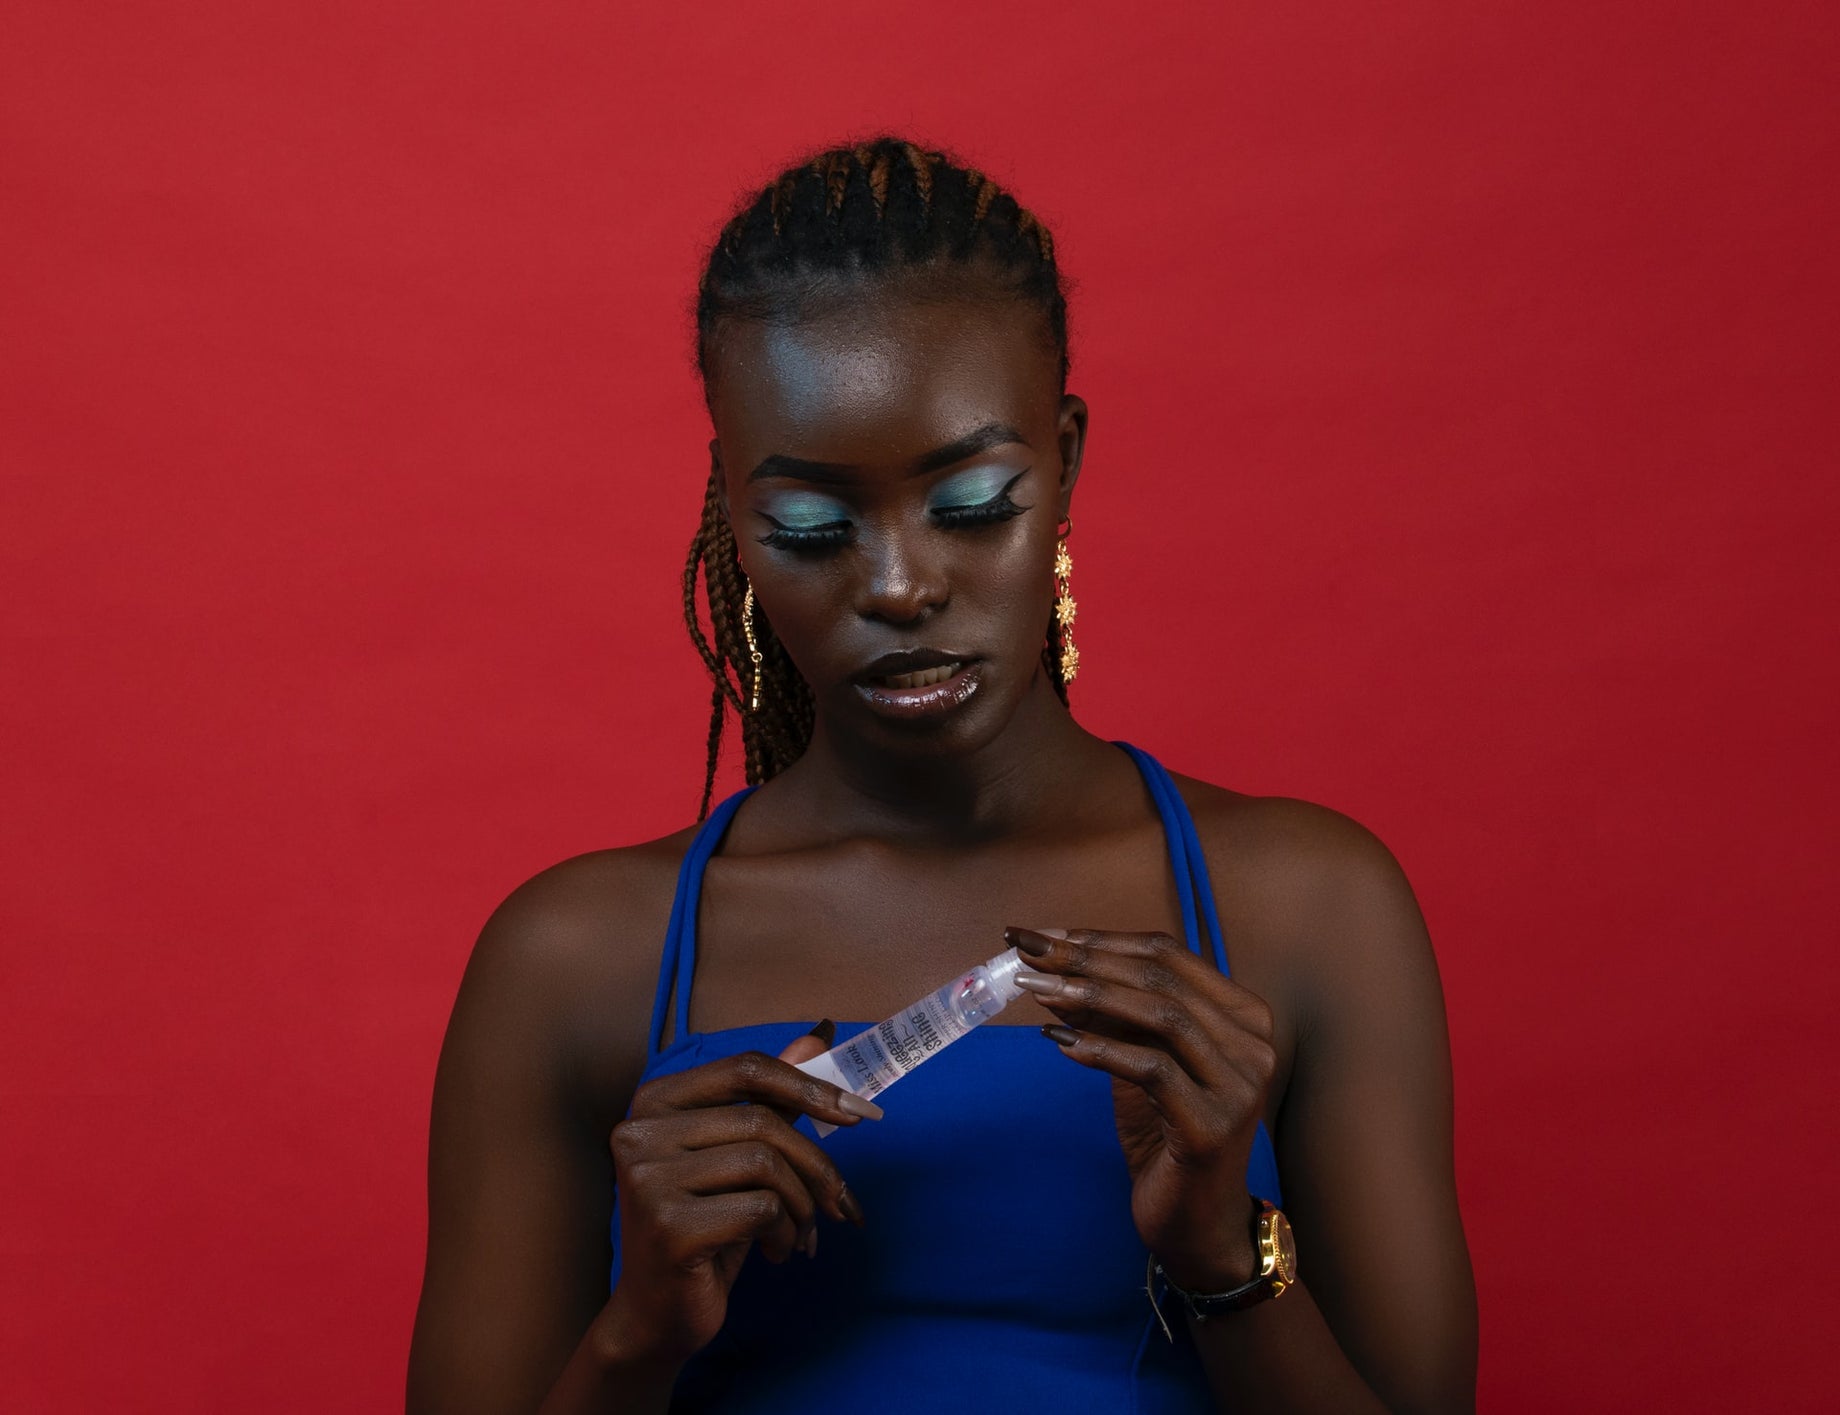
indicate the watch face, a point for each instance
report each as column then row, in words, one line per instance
column 1286, row 1246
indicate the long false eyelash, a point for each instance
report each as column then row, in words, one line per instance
column 999, row 509
column 985, row 513
column 818, row 538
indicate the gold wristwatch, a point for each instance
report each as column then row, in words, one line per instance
column 1277, row 1250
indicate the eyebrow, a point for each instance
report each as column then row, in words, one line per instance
column 979, row 440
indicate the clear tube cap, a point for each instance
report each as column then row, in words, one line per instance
column 1003, row 970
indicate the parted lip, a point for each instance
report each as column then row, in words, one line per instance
column 910, row 661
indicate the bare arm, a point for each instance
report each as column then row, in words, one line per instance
column 527, row 1145
column 1384, row 1316
column 520, row 1181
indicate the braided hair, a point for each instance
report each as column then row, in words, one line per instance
column 878, row 209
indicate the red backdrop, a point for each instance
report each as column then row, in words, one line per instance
column 1461, row 458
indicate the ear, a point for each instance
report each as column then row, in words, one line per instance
column 715, row 470
column 1071, row 433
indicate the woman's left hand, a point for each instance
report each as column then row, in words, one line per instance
column 1191, row 1059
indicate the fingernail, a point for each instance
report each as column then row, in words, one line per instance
column 852, row 1104
column 825, row 1031
column 811, row 1244
column 1052, row 933
column 1028, row 940
column 846, row 1201
column 1044, row 983
column 1066, row 1036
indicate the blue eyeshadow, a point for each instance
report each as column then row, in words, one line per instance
column 804, row 511
column 971, row 488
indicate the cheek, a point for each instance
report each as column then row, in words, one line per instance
column 808, row 607
column 1019, row 583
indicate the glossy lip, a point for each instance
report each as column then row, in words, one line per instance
column 923, row 704
column 909, row 661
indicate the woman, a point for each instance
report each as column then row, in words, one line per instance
column 1078, row 1206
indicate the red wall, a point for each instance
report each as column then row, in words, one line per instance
column 1461, row 457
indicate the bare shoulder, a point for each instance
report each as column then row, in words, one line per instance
column 586, row 913
column 1319, row 898
column 1300, row 838
column 568, row 963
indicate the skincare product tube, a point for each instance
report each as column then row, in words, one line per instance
column 872, row 1061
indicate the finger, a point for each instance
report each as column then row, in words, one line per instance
column 1236, row 1059
column 636, row 1140
column 1116, row 956
column 1197, row 1035
column 1168, row 1086
column 1155, row 962
column 702, row 1225
column 814, row 1043
column 1146, row 988
column 752, row 1076
column 741, row 1168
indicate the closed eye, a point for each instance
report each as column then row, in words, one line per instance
column 983, row 513
column 828, row 536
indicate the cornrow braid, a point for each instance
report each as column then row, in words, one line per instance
column 882, row 207
column 922, row 165
column 875, row 163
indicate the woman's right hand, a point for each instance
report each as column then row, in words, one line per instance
column 706, row 1165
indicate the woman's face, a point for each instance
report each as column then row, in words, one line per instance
column 894, row 473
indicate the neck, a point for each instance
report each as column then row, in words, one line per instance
column 1029, row 775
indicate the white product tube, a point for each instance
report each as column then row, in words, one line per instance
column 872, row 1061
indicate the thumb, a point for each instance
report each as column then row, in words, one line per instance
column 814, row 1043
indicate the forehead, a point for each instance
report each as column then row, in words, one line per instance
column 880, row 380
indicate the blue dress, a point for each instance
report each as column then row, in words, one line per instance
column 999, row 1268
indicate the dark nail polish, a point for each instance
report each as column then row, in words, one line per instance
column 1066, row 1036
column 846, row 1201
column 1028, row 941
column 825, row 1031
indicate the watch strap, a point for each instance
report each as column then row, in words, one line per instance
column 1211, row 1304
column 1267, row 1283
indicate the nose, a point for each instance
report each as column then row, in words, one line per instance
column 903, row 579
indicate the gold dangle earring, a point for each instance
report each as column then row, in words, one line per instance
column 1064, row 606
column 747, row 628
